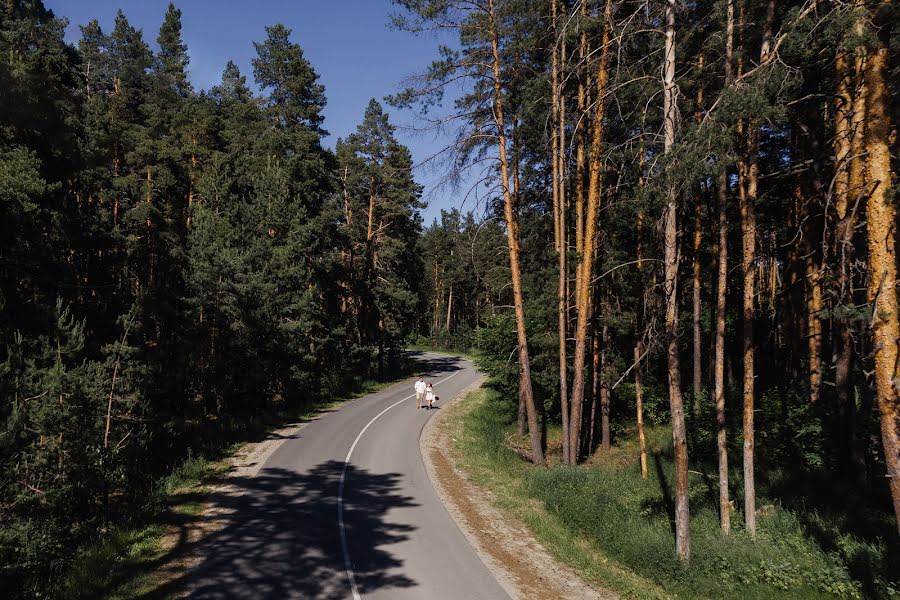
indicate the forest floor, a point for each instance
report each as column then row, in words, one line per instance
column 614, row 529
column 144, row 559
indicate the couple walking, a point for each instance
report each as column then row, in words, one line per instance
column 424, row 394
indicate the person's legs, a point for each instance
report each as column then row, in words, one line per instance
column 419, row 399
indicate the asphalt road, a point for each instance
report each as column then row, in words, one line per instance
column 287, row 534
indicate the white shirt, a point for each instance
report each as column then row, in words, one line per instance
column 420, row 387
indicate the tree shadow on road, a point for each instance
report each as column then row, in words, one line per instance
column 275, row 536
column 435, row 365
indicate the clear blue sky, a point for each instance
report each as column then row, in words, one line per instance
column 349, row 43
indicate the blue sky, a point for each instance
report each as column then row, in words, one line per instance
column 349, row 43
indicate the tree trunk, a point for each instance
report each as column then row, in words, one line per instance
column 639, row 321
column 748, row 257
column 697, row 365
column 698, row 239
column 586, row 256
column 748, row 263
column 721, row 289
column 595, row 383
column 882, row 262
column 522, row 413
column 670, row 229
column 719, row 367
column 639, row 401
column 559, row 232
column 513, row 244
column 846, row 203
column 604, row 394
column 449, row 309
column 581, row 131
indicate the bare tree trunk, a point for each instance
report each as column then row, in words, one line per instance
column 595, row 381
column 748, row 257
column 513, row 243
column 522, row 415
column 559, row 231
column 719, row 381
column 581, row 132
column 639, row 400
column 581, row 137
column 639, row 321
column 437, row 299
column 586, row 257
column 882, row 263
column 697, row 363
column 721, row 289
column 604, row 394
column 698, row 239
column 748, row 262
column 449, row 308
column 670, row 228
column 115, row 374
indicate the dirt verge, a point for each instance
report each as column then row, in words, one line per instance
column 506, row 545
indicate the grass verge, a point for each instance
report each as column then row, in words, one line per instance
column 479, row 429
column 142, row 559
column 615, row 529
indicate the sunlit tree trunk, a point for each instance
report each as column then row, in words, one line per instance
column 559, row 226
column 513, row 245
column 581, row 131
column 881, row 225
column 847, row 200
column 449, row 308
column 586, row 255
column 522, row 413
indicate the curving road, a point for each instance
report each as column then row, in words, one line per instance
column 344, row 509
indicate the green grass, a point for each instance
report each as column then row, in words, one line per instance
column 139, row 559
column 480, row 428
column 130, row 560
column 615, row 528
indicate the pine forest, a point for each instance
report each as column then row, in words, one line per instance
column 681, row 281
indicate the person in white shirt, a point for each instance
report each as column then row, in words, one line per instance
column 420, row 392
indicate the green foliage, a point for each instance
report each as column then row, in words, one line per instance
column 171, row 268
column 380, row 229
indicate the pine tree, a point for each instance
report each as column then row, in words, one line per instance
column 382, row 227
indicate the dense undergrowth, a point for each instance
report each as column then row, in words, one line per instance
column 610, row 515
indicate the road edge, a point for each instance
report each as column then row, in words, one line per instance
column 506, row 546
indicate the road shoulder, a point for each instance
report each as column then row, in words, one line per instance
column 506, row 545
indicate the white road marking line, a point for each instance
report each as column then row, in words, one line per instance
column 348, row 567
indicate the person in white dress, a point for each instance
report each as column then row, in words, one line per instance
column 429, row 396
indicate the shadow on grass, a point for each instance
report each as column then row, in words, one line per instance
column 667, row 504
